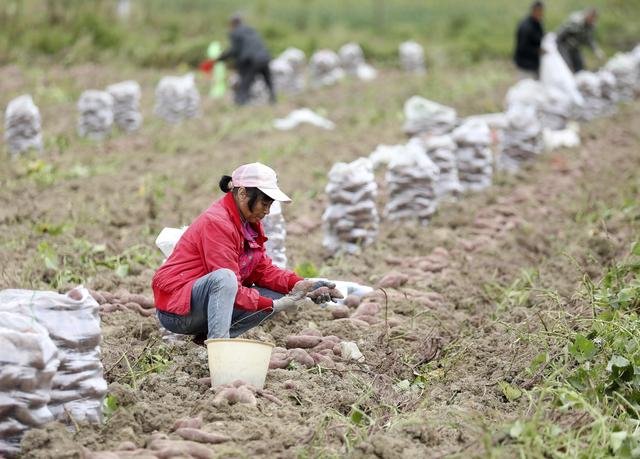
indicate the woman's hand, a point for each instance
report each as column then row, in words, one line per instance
column 291, row 302
column 319, row 291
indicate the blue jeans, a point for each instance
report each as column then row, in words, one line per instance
column 212, row 312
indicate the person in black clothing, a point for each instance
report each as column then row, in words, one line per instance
column 528, row 40
column 251, row 59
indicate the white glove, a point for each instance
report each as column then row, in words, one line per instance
column 291, row 302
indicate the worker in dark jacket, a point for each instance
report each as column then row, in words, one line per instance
column 575, row 33
column 251, row 58
column 528, row 39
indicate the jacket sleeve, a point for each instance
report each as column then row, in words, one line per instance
column 234, row 49
column 267, row 275
column 220, row 251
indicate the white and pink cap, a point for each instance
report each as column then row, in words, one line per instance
column 259, row 176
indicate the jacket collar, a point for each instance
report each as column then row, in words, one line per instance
column 229, row 203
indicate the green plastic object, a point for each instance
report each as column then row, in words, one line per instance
column 219, row 74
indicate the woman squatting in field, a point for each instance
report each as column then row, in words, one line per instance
column 218, row 281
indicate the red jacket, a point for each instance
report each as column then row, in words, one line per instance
column 213, row 241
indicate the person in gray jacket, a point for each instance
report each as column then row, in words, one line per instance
column 251, row 59
column 575, row 33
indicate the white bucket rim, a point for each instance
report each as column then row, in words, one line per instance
column 235, row 340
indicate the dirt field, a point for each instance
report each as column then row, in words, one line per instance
column 448, row 340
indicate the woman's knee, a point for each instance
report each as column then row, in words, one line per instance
column 223, row 278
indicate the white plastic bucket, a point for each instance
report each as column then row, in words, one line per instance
column 238, row 359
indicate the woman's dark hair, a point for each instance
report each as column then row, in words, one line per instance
column 253, row 192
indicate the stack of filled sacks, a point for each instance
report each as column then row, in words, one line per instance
column 28, row 363
column 423, row 116
column 324, row 68
column 474, row 158
column 442, row 151
column 625, row 68
column 411, row 185
column 522, row 138
column 411, row 57
column 353, row 63
column 22, row 130
column 95, row 110
column 295, row 60
column 276, row 232
column 562, row 98
column 177, row 98
column 126, row 105
column 282, row 75
column 590, row 85
column 73, row 324
column 351, row 219
column 609, row 86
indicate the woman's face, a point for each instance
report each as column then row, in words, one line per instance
column 260, row 208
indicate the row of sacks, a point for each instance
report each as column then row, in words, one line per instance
column 420, row 174
column 50, row 365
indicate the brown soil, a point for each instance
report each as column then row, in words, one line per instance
column 450, row 330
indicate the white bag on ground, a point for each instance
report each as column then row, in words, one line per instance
column 351, row 218
column 28, row 363
column 95, row 109
column 126, row 105
column 423, row 116
column 592, row 86
column 474, row 158
column 168, row 238
column 300, row 116
column 276, row 232
column 22, row 128
column 74, row 326
column 411, row 186
column 177, row 98
column 522, row 139
column 627, row 73
column 295, row 60
column 411, row 57
column 324, row 68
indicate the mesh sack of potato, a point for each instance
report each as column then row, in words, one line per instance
column 522, row 139
column 74, row 326
column 411, row 186
column 276, row 232
column 22, row 128
column 296, row 60
column 351, row 218
column 177, row 98
column 324, row 68
column 423, row 116
column 473, row 155
column 126, row 105
column 411, row 57
column 626, row 71
column 353, row 62
column 442, row 151
column 95, row 114
column 28, row 363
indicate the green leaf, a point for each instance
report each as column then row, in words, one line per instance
column 357, row 416
column 122, row 270
column 516, row 429
column 617, row 438
column 538, row 361
column 49, row 256
column 582, row 349
column 636, row 249
column 110, row 405
column 511, row 392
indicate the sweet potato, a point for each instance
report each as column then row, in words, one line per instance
column 190, row 423
column 289, row 384
column 245, row 396
column 311, row 332
column 352, row 301
column 337, row 349
column 200, row 436
column 278, row 350
column 108, row 297
column 74, row 294
column 302, row 357
column 238, row 383
column 302, row 341
column 88, row 454
column 204, row 381
column 166, row 449
column 393, row 279
column 340, row 311
column 322, row 360
column 279, row 363
column 358, row 323
column 97, row 296
column 127, row 446
column 135, row 307
column 324, row 344
column 270, row 397
column 367, row 309
column 371, row 320
column 142, row 300
column 227, row 395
